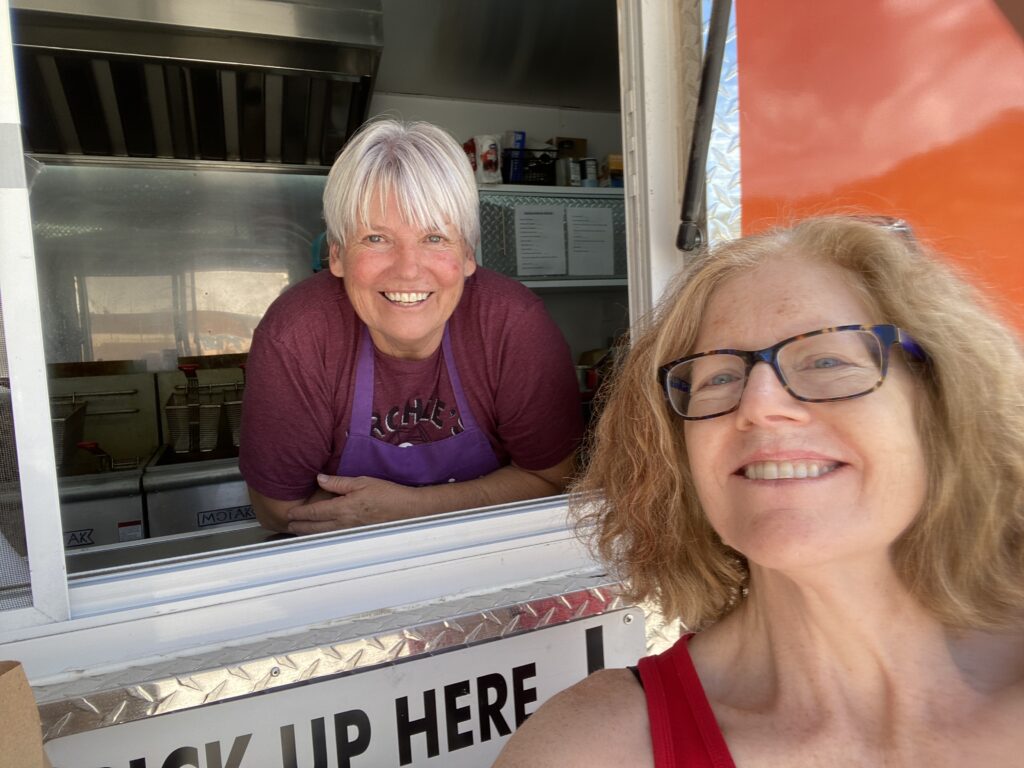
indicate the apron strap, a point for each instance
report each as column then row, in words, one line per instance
column 362, row 398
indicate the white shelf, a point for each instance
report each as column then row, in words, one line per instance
column 578, row 282
column 546, row 191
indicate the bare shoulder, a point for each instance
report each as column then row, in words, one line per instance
column 600, row 721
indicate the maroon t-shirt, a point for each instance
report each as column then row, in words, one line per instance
column 514, row 364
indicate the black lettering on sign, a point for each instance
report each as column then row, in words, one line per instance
column 319, row 743
column 137, row 763
column 182, row 757
column 454, row 715
column 347, row 748
column 319, row 738
column 288, row 758
column 490, row 711
column 408, row 728
column 521, row 695
column 595, row 649
column 238, row 747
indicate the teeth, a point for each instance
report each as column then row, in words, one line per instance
column 787, row 470
column 406, row 298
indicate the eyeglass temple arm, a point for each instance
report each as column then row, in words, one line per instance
column 910, row 346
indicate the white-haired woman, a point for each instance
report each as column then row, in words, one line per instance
column 406, row 380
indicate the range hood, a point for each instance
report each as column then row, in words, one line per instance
column 562, row 54
column 261, row 81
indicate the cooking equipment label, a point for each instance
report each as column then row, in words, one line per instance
column 226, row 515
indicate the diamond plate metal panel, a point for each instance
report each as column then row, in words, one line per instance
column 724, row 205
column 660, row 633
column 344, row 647
column 498, row 235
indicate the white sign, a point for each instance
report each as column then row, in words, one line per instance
column 540, row 240
column 591, row 241
column 453, row 709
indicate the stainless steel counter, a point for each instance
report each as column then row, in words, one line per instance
column 182, row 545
column 184, row 496
column 102, row 508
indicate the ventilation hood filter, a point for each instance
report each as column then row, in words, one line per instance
column 254, row 81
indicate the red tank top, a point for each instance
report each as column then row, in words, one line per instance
column 684, row 732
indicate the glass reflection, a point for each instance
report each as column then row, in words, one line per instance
column 153, row 263
column 152, row 280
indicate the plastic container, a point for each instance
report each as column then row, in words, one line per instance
column 528, row 166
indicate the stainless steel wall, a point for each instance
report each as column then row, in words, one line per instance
column 152, row 263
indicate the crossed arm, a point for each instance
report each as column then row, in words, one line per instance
column 345, row 502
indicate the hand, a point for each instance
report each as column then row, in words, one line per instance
column 357, row 501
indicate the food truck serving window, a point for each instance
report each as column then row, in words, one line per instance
column 140, row 283
column 152, row 279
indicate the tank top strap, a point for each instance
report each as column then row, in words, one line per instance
column 684, row 732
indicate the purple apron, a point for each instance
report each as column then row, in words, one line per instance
column 465, row 456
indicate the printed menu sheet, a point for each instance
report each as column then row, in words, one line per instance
column 591, row 241
column 540, row 240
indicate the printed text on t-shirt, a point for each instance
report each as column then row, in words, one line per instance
column 416, row 422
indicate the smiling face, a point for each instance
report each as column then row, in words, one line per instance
column 403, row 281
column 792, row 484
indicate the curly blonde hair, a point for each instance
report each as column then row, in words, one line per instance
column 962, row 557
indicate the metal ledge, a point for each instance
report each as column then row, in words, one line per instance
column 347, row 646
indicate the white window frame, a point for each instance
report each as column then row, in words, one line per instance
column 659, row 72
column 26, row 366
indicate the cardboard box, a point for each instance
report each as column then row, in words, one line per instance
column 612, row 163
column 610, row 174
column 568, row 146
column 21, row 737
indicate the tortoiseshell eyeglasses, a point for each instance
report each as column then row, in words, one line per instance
column 837, row 363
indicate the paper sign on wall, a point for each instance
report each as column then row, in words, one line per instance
column 591, row 241
column 540, row 240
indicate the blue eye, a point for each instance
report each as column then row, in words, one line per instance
column 721, row 379
column 827, row 362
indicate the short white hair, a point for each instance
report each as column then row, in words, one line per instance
column 426, row 170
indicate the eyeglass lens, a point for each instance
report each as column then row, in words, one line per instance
column 829, row 366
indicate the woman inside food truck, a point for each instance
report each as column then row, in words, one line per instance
column 406, row 380
column 827, row 486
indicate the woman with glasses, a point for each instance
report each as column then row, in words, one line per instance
column 813, row 456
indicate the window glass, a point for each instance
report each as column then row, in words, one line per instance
column 144, row 269
column 14, row 573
